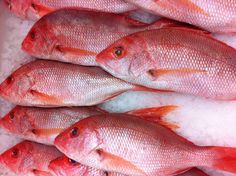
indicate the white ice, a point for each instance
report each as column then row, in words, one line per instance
column 204, row 122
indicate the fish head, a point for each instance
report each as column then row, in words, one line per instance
column 23, row 8
column 40, row 41
column 64, row 166
column 17, row 121
column 18, row 159
column 79, row 140
column 125, row 57
column 16, row 86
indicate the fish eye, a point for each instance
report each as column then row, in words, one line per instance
column 72, row 162
column 15, row 153
column 32, row 35
column 119, row 52
column 74, row 132
column 33, row 5
column 10, row 79
column 11, row 115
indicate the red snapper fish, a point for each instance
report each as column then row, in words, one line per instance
column 43, row 124
column 29, row 158
column 34, row 9
column 194, row 172
column 174, row 59
column 77, row 36
column 64, row 166
column 214, row 15
column 133, row 146
column 50, row 83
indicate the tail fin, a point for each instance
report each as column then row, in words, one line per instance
column 225, row 159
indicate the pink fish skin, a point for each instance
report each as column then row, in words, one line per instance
column 201, row 13
column 174, row 59
column 133, row 146
column 43, row 124
column 29, row 158
column 72, row 35
column 194, row 172
column 34, row 9
column 64, row 166
column 49, row 83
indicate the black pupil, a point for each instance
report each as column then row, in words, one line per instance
column 74, row 131
column 32, row 35
column 9, row 79
column 118, row 51
column 33, row 5
column 11, row 115
column 72, row 161
column 15, row 153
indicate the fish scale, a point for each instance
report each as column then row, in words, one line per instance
column 30, row 158
column 34, row 9
column 174, row 59
column 43, row 125
column 201, row 13
column 80, row 35
column 50, row 83
column 130, row 145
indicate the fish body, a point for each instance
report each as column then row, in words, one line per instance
column 201, row 13
column 77, row 36
column 64, row 166
column 174, row 59
column 49, row 83
column 194, row 172
column 29, row 158
column 43, row 124
column 34, row 9
column 133, row 146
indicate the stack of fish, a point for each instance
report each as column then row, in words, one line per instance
column 91, row 51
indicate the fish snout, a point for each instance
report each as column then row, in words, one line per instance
column 8, row 3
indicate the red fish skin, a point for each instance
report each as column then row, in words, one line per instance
column 29, row 158
column 42, row 125
column 52, row 84
column 77, row 36
column 204, row 14
column 194, row 172
column 174, row 59
column 34, row 9
column 64, row 166
column 130, row 145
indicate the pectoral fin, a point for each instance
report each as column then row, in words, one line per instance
column 75, row 51
column 46, row 98
column 112, row 161
column 160, row 72
column 47, row 131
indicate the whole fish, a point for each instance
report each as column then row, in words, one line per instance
column 194, row 172
column 29, row 158
column 77, row 36
column 34, row 9
column 64, row 166
column 214, row 15
column 49, row 83
column 43, row 124
column 174, row 59
column 133, row 146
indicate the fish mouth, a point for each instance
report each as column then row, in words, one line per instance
column 8, row 4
